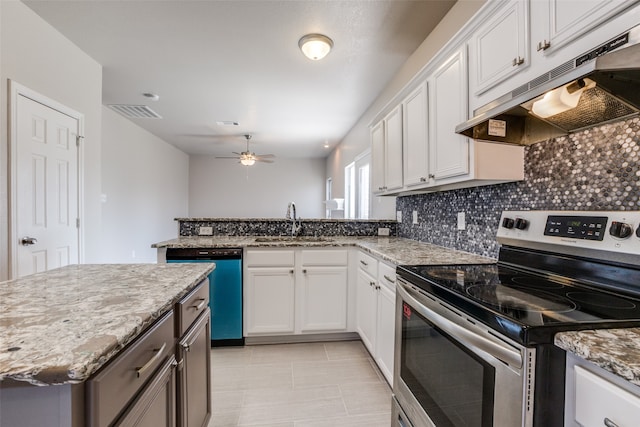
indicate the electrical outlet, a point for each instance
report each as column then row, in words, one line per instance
column 399, row 216
column 383, row 231
column 461, row 221
column 205, row 231
column 415, row 217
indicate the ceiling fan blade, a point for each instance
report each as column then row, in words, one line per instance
column 223, row 157
column 258, row 159
column 265, row 155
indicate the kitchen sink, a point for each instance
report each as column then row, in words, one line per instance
column 267, row 239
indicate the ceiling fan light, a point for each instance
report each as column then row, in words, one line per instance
column 315, row 46
column 247, row 162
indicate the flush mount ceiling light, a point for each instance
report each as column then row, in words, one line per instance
column 315, row 46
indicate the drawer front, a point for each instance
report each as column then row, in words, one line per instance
column 600, row 402
column 324, row 257
column 109, row 392
column 273, row 258
column 387, row 275
column 191, row 306
column 368, row 263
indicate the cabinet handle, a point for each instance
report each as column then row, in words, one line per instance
column 432, row 176
column 372, row 283
column 543, row 45
column 186, row 347
column 389, row 279
column 363, row 263
column 304, row 271
column 198, row 307
column 291, row 271
column 609, row 423
column 518, row 61
column 377, row 287
column 423, row 179
column 158, row 351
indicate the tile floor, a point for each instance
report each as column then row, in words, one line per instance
column 331, row 384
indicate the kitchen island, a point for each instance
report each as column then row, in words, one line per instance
column 60, row 327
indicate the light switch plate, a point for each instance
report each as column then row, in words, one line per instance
column 415, row 217
column 461, row 221
column 399, row 216
column 205, row 231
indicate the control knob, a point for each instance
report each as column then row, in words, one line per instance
column 508, row 223
column 521, row 223
column 620, row 230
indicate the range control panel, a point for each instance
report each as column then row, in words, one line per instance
column 601, row 234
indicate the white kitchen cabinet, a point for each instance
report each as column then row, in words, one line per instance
column 415, row 138
column 500, row 47
column 385, row 329
column 376, row 311
column 295, row 291
column 556, row 23
column 448, row 104
column 323, row 290
column 270, row 300
column 386, row 152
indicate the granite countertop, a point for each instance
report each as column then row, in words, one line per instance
column 60, row 326
column 396, row 250
column 615, row 350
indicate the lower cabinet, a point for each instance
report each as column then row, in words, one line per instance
column 376, row 298
column 295, row 291
column 194, row 380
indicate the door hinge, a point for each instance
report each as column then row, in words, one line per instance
column 77, row 222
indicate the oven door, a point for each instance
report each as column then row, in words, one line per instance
column 452, row 371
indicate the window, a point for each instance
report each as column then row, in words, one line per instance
column 327, row 197
column 357, row 203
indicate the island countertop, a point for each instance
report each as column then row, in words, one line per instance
column 60, row 326
column 395, row 250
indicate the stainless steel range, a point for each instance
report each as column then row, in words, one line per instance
column 474, row 343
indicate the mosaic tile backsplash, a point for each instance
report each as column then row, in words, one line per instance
column 282, row 227
column 594, row 170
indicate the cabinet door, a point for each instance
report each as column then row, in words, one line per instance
column 269, row 300
column 500, row 48
column 385, row 339
column 324, row 299
column 393, row 150
column 415, row 141
column 156, row 405
column 448, row 104
column 559, row 22
column 377, row 157
column 194, row 379
column 367, row 305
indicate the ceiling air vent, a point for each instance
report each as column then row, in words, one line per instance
column 135, row 111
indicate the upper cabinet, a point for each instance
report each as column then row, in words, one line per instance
column 386, row 152
column 500, row 47
column 415, row 137
column 448, row 104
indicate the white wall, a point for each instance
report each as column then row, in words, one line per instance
column 145, row 182
column 224, row 188
column 357, row 140
column 35, row 55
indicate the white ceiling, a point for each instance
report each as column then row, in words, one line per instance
column 239, row 60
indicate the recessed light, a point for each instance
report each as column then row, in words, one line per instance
column 227, row 123
column 151, row 96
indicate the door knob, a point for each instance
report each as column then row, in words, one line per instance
column 26, row 241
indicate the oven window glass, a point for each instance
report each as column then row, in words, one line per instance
column 452, row 385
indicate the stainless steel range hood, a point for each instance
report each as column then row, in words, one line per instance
column 605, row 83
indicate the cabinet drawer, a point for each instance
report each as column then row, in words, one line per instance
column 272, row 258
column 191, row 306
column 324, row 257
column 368, row 263
column 598, row 399
column 387, row 275
column 120, row 380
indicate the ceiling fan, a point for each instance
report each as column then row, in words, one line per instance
column 248, row 158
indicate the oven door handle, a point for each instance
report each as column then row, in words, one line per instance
column 497, row 349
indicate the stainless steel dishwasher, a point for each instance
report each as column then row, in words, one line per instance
column 225, row 291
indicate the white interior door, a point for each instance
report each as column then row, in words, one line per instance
column 45, row 221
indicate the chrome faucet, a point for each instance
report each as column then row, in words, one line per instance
column 295, row 222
